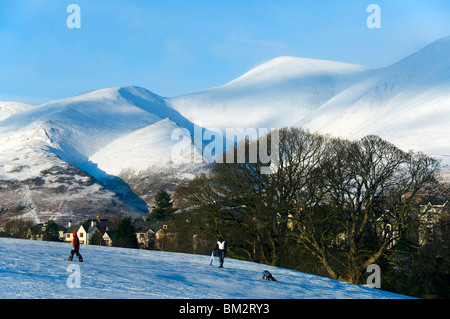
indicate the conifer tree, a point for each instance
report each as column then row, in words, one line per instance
column 51, row 231
column 163, row 206
column 125, row 236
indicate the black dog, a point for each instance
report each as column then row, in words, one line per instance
column 268, row 276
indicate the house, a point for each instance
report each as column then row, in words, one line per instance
column 37, row 231
column 85, row 231
column 385, row 228
column 428, row 217
column 149, row 234
column 165, row 236
column 153, row 234
column 107, row 237
column 144, row 229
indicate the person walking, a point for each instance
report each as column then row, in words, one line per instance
column 221, row 248
column 76, row 247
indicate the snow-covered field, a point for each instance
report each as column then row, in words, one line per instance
column 30, row 269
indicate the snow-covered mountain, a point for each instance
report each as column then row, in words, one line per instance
column 407, row 103
column 111, row 149
column 39, row 270
column 8, row 109
column 275, row 94
column 62, row 157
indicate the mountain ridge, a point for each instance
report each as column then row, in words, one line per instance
column 69, row 133
column 285, row 85
column 120, row 137
column 405, row 103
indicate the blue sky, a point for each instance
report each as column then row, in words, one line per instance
column 174, row 47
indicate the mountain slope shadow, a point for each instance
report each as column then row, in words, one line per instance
column 111, row 182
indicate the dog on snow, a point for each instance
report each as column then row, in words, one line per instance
column 268, row 276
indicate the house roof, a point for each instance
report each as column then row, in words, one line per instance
column 430, row 208
column 140, row 225
column 61, row 228
column 39, row 229
column 71, row 229
column 110, row 233
column 88, row 227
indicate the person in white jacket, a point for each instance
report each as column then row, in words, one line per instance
column 221, row 248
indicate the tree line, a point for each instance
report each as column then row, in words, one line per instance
column 332, row 206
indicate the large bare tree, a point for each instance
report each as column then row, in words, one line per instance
column 362, row 209
column 347, row 202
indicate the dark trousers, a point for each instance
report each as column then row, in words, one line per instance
column 75, row 251
column 221, row 254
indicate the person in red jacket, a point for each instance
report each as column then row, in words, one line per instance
column 76, row 247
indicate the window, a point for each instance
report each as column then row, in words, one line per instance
column 81, row 234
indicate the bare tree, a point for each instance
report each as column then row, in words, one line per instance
column 17, row 228
column 346, row 202
column 237, row 199
column 367, row 187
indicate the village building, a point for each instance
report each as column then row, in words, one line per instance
column 148, row 232
column 86, row 230
column 107, row 237
column 37, row 232
column 428, row 216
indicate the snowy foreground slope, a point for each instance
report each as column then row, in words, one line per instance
column 27, row 270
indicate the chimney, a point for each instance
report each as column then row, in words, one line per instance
column 69, row 224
